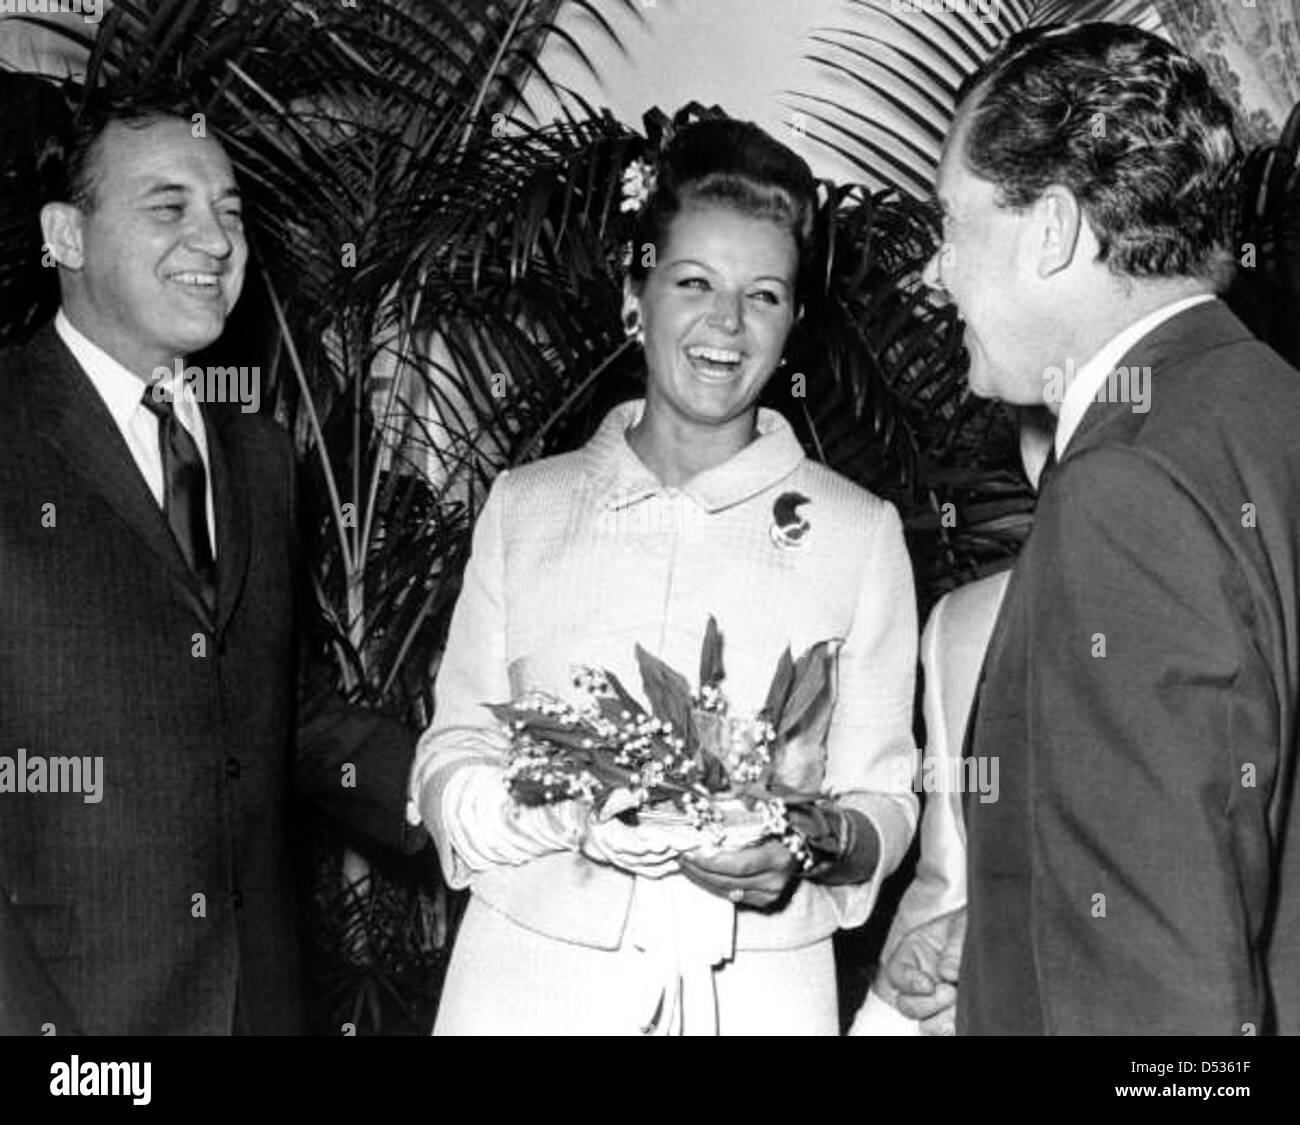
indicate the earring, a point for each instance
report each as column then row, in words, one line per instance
column 632, row 327
column 780, row 363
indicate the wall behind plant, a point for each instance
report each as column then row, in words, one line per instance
column 758, row 59
column 739, row 54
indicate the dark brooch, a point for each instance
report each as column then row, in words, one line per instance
column 788, row 527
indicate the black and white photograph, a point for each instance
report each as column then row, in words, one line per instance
column 622, row 518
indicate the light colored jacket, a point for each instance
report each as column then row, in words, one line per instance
column 952, row 653
column 578, row 558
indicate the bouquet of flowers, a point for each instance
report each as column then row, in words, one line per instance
column 686, row 761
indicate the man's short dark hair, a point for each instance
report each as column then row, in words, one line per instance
column 95, row 115
column 1131, row 126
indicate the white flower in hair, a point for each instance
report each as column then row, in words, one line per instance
column 639, row 180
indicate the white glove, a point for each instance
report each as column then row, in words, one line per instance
column 485, row 825
column 642, row 850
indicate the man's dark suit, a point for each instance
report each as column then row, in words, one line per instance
column 1140, row 872
column 157, row 908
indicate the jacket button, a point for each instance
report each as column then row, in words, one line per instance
column 232, row 767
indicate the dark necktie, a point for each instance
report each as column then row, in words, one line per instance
column 1049, row 467
column 185, row 494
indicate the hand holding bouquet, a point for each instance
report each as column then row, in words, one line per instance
column 686, row 764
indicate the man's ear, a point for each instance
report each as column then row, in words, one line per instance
column 1058, row 220
column 61, row 229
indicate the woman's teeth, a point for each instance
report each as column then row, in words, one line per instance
column 714, row 361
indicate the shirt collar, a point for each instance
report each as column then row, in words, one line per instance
column 120, row 390
column 622, row 479
column 1094, row 374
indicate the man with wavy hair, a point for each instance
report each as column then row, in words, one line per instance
column 1139, row 873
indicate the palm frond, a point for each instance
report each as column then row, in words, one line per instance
column 950, row 461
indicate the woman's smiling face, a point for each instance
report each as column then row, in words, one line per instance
column 716, row 310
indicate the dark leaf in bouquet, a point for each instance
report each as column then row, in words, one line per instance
column 528, row 787
column 799, row 756
column 711, row 671
column 608, row 774
column 813, row 687
column 506, row 713
column 710, row 731
column 713, row 773
column 799, row 760
column 531, row 793
column 547, row 728
column 669, row 694
column 793, row 798
column 670, row 791
column 626, row 700
column 779, row 691
column 611, row 709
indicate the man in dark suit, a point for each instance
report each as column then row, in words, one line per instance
column 147, row 633
column 1139, row 872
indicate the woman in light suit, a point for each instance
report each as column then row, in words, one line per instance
column 692, row 503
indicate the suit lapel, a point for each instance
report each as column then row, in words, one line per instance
column 77, row 424
column 230, row 505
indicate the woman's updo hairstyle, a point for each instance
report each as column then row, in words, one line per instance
column 721, row 161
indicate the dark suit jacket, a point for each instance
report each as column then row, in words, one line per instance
column 155, row 909
column 1140, row 872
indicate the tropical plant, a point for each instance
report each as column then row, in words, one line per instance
column 34, row 115
column 1266, row 292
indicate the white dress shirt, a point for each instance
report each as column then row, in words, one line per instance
column 1094, row 374
column 123, row 394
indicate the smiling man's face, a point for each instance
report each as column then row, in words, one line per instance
column 987, row 266
column 158, row 252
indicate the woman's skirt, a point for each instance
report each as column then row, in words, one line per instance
column 505, row 979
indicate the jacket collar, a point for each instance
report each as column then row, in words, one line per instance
column 1095, row 376
column 1190, row 333
column 65, row 407
column 621, row 479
